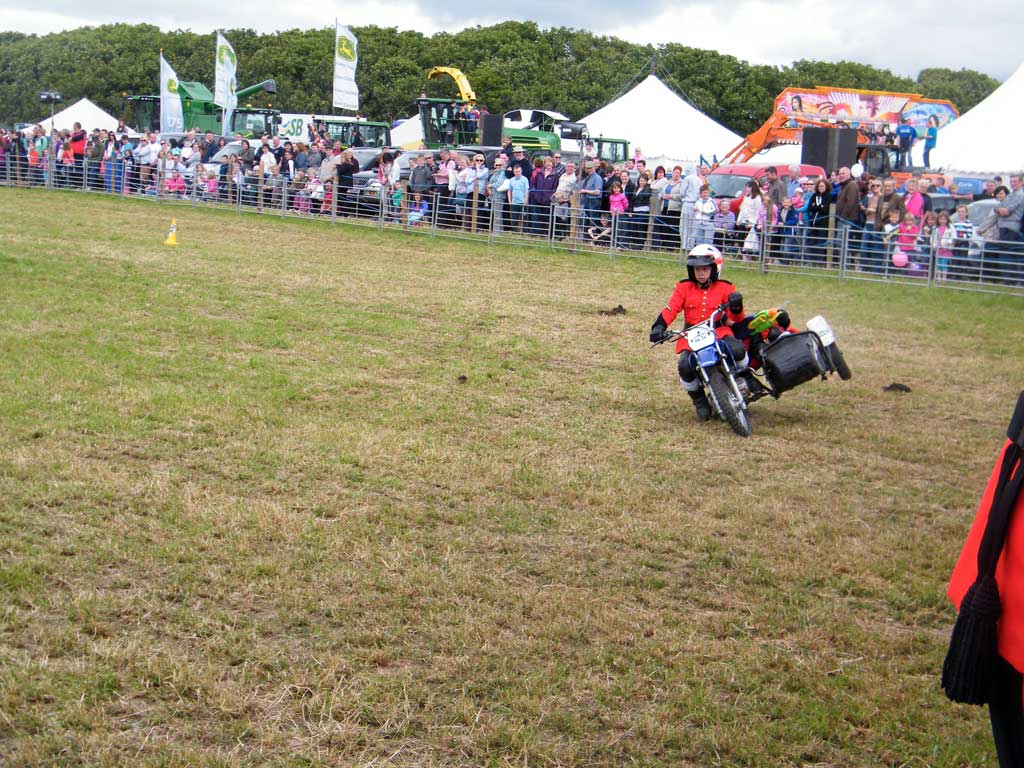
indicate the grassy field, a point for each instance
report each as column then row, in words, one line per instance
column 301, row 495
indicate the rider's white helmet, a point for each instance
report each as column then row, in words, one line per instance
column 705, row 255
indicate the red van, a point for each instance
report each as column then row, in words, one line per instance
column 730, row 180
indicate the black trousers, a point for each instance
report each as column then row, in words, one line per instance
column 1007, row 715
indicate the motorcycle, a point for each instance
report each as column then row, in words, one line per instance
column 717, row 371
column 787, row 360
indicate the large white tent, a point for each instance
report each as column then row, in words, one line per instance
column 984, row 138
column 82, row 111
column 652, row 117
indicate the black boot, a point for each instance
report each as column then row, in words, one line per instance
column 756, row 389
column 701, row 404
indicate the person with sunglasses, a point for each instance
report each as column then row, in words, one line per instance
column 496, row 195
column 557, row 164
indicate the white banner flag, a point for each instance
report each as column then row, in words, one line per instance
column 346, row 93
column 225, row 81
column 171, row 118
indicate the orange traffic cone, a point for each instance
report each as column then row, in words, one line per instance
column 172, row 234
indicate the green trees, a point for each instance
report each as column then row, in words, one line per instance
column 511, row 64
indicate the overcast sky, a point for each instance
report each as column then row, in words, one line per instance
column 904, row 36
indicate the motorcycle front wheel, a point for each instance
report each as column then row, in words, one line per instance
column 731, row 411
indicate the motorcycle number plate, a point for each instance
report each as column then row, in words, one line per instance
column 820, row 326
column 700, row 337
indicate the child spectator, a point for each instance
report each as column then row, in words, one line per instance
column 617, row 201
column 298, row 194
column 927, row 237
column 704, row 211
column 418, row 209
column 906, row 240
column 175, row 184
column 783, row 240
column 211, row 192
column 315, row 188
column 965, row 252
column 889, row 234
column 944, row 250
column 600, row 234
column 725, row 226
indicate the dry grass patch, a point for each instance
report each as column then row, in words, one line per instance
column 298, row 494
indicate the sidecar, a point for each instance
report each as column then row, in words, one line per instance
column 796, row 358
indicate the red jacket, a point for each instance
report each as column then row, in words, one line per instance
column 697, row 304
column 1009, row 572
column 78, row 140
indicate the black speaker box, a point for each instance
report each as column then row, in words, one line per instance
column 831, row 148
column 490, row 130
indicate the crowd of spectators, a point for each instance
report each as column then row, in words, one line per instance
column 791, row 219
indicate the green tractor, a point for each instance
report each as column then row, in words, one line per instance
column 444, row 125
column 202, row 114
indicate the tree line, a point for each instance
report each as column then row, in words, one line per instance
column 510, row 65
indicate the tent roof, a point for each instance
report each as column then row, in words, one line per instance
column 653, row 118
column 983, row 138
column 82, row 111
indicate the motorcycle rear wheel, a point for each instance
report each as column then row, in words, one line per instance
column 735, row 415
column 839, row 362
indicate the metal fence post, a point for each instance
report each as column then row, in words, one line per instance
column 490, row 219
column 682, row 242
column 933, row 244
column 762, row 248
column 334, row 201
column 383, row 202
column 614, row 234
column 844, row 250
column 433, row 215
column 551, row 226
column 403, row 210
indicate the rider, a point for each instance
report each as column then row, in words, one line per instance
column 697, row 297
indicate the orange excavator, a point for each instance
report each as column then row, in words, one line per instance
column 781, row 129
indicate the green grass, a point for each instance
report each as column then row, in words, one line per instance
column 302, row 495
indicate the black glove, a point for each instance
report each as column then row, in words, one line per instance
column 658, row 331
column 735, row 302
column 782, row 319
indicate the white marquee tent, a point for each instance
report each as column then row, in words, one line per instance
column 652, row 117
column 82, row 111
column 985, row 138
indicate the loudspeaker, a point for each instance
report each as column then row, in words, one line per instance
column 572, row 130
column 831, row 148
column 490, row 130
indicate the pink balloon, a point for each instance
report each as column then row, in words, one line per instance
column 899, row 258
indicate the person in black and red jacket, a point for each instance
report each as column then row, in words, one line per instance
column 697, row 297
column 78, row 141
column 985, row 661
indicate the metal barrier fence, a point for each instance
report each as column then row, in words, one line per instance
column 836, row 249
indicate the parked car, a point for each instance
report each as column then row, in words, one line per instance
column 366, row 187
column 979, row 210
column 730, row 180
